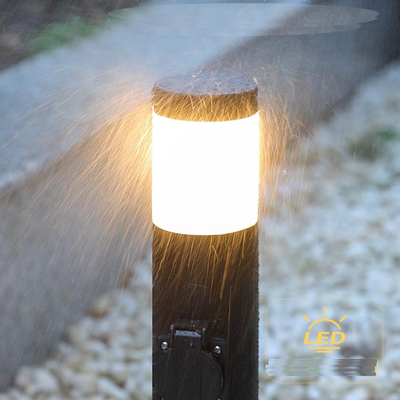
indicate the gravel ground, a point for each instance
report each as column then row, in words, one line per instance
column 332, row 233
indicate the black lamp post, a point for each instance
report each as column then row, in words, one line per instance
column 205, row 238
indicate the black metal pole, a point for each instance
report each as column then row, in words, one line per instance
column 205, row 287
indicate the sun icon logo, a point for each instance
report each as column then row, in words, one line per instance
column 325, row 342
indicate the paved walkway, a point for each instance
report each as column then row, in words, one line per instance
column 53, row 100
column 107, row 75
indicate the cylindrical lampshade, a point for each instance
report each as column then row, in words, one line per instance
column 205, row 164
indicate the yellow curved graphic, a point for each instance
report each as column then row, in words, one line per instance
column 325, row 319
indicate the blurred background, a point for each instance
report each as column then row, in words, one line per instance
column 75, row 157
column 32, row 26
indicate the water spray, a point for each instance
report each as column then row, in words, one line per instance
column 205, row 177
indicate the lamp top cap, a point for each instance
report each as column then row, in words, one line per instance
column 206, row 97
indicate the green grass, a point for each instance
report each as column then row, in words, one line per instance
column 371, row 145
column 58, row 34
column 387, row 134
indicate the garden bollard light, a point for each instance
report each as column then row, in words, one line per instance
column 205, row 176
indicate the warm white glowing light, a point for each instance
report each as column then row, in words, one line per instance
column 205, row 175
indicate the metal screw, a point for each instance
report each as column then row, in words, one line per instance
column 164, row 345
column 217, row 350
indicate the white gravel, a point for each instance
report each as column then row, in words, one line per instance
column 334, row 232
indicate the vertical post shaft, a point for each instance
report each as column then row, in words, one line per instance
column 214, row 279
